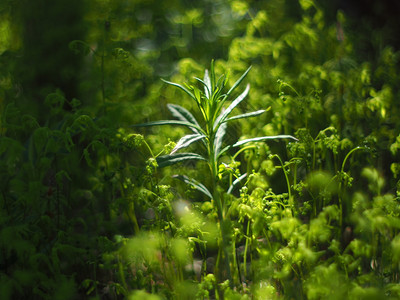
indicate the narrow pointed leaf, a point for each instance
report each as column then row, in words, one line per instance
column 181, row 87
column 236, row 182
column 168, row 160
column 219, row 137
column 221, row 81
column 236, row 84
column 263, row 138
column 201, row 81
column 221, row 118
column 207, row 92
column 207, row 81
column 183, row 114
column 212, row 76
column 186, row 141
column 224, row 150
column 197, row 185
column 246, row 115
column 168, row 122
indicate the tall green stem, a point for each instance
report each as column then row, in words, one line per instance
column 223, row 223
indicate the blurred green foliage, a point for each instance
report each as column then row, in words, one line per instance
column 85, row 212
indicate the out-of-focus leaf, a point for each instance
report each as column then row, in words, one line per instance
column 197, row 185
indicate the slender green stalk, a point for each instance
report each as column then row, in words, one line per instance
column 348, row 155
column 286, row 175
column 340, row 185
column 224, row 228
column 243, row 149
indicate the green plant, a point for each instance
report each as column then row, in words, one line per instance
column 215, row 118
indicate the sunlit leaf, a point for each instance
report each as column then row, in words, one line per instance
column 263, row 138
column 246, row 115
column 236, row 182
column 224, row 114
column 207, row 92
column 219, row 136
column 186, row 141
column 224, row 150
column 207, row 87
column 183, row 114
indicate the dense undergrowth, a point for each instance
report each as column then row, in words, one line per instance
column 91, row 202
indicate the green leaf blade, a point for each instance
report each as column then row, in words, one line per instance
column 207, row 87
column 219, row 136
column 236, row 182
column 169, row 122
column 246, row 115
column 221, row 118
column 263, row 138
column 180, row 87
column 238, row 82
column 171, row 159
column 224, row 150
column 184, row 115
column 197, row 185
column 186, row 141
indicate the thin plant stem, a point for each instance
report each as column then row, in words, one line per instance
column 340, row 185
column 247, row 237
column 286, row 175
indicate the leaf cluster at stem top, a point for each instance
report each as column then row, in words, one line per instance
column 210, row 102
